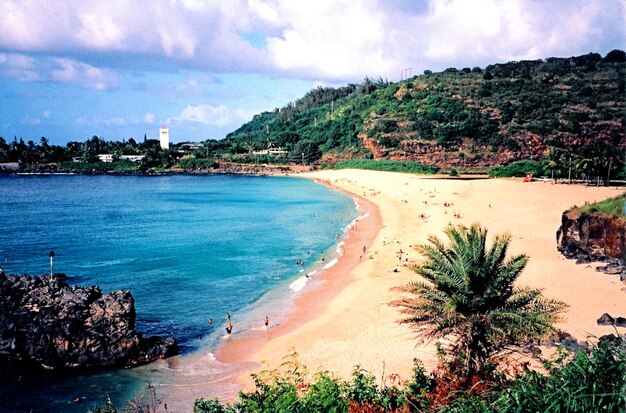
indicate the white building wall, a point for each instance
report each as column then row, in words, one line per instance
column 164, row 137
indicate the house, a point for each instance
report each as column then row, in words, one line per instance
column 270, row 151
column 105, row 157
column 132, row 158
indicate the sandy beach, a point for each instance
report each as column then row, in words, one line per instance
column 348, row 322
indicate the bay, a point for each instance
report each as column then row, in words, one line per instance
column 188, row 247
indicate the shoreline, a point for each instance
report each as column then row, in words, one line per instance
column 312, row 301
column 234, row 354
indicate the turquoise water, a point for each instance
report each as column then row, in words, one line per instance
column 188, row 247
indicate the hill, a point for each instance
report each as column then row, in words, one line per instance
column 527, row 110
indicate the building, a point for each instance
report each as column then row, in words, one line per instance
column 270, row 151
column 164, row 137
column 132, row 158
column 105, row 157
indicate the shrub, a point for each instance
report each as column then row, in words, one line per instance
column 517, row 169
column 384, row 165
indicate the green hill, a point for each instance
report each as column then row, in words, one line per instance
column 566, row 108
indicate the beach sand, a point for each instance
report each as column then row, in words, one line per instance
column 348, row 321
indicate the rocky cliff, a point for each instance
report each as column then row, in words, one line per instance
column 46, row 323
column 593, row 237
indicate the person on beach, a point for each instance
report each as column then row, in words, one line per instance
column 364, row 249
column 229, row 327
column 267, row 321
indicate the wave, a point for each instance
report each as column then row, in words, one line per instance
column 339, row 248
column 330, row 263
column 298, row 284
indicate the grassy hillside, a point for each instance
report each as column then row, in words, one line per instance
column 468, row 117
column 615, row 207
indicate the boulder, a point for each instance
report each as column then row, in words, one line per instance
column 47, row 323
column 593, row 238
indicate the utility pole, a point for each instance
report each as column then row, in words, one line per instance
column 406, row 73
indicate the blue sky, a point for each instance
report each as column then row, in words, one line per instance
column 71, row 69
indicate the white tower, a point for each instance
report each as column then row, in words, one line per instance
column 164, row 137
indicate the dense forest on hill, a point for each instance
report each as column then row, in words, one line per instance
column 555, row 116
column 467, row 117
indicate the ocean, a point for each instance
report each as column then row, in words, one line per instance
column 188, row 247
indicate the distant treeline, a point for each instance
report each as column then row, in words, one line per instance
column 561, row 117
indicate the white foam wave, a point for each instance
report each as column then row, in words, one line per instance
column 330, row 263
column 339, row 248
column 298, row 284
column 193, row 365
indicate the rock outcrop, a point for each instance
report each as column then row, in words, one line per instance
column 46, row 323
column 593, row 237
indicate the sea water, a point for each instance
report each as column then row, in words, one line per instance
column 189, row 248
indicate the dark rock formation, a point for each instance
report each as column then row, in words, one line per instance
column 606, row 320
column 45, row 322
column 592, row 237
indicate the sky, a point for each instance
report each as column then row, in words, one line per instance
column 72, row 69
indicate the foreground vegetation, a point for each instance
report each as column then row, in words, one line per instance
column 589, row 381
column 468, row 297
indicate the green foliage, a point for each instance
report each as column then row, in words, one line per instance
column 210, row 406
column 593, row 381
column 384, row 165
column 517, row 169
column 499, row 107
column 197, row 163
column 470, row 299
column 588, row 381
column 615, row 207
column 454, row 172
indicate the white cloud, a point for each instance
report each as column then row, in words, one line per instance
column 98, row 122
column 19, row 66
column 149, row 118
column 84, row 75
column 205, row 114
column 187, row 89
column 208, row 115
column 30, row 69
column 328, row 39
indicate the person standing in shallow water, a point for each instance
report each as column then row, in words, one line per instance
column 267, row 321
column 229, row 327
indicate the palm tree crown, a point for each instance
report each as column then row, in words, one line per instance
column 469, row 298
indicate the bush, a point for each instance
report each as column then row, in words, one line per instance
column 210, row 406
column 384, row 165
column 517, row 169
column 590, row 381
column 454, row 172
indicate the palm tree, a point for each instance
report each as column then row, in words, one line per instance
column 471, row 301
